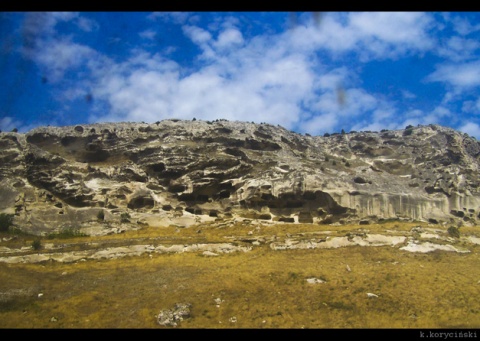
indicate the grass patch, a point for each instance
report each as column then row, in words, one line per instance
column 261, row 288
column 340, row 305
column 66, row 234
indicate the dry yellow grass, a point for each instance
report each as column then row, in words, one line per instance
column 261, row 288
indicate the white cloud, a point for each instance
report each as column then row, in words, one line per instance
column 449, row 97
column 372, row 34
column 416, row 116
column 86, row 24
column 39, row 23
column 332, row 79
column 197, row 34
column 275, row 78
column 463, row 26
column 472, row 107
column 136, row 90
column 321, row 124
column 458, row 49
column 408, row 95
column 63, row 16
column 392, row 27
column 269, row 78
column 59, row 56
column 469, row 106
column 228, row 38
column 8, row 123
column 383, row 114
column 37, row 26
column 457, row 75
column 148, row 34
column 441, row 112
column 390, row 34
column 175, row 17
column 244, row 82
column 358, row 101
column 388, row 117
column 384, row 117
column 414, row 113
column 54, row 53
column 471, row 128
column 143, row 87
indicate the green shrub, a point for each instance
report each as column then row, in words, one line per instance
column 6, row 220
column 36, row 244
column 125, row 217
column 67, row 233
column 454, row 231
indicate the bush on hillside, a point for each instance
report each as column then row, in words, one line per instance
column 6, row 220
column 454, row 231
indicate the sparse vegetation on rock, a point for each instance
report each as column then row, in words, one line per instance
column 36, row 244
column 6, row 221
column 454, row 231
column 125, row 217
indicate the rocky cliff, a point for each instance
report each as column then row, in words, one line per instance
column 182, row 172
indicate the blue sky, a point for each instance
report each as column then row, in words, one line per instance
column 310, row 72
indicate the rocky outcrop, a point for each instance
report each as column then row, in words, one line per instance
column 181, row 172
column 171, row 317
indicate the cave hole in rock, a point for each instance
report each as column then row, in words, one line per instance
column 193, row 210
column 224, row 194
column 316, row 203
column 305, row 217
column 141, row 202
column 93, row 156
column 177, row 188
column 159, row 167
column 287, row 219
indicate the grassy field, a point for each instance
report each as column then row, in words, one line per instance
column 261, row 288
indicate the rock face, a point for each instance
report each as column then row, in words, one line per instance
column 181, row 172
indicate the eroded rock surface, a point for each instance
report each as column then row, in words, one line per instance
column 417, row 240
column 184, row 172
column 172, row 317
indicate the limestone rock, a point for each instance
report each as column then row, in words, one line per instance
column 178, row 172
column 171, row 317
